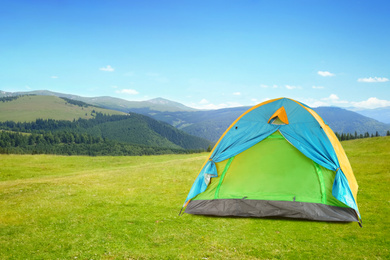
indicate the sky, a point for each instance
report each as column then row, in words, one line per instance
column 205, row 54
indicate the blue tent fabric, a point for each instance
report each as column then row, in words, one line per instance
column 303, row 132
column 342, row 192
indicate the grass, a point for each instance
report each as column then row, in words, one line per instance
column 30, row 108
column 57, row 207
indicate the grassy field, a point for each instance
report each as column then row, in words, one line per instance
column 30, row 108
column 56, row 207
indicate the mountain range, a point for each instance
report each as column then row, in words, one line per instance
column 210, row 124
column 157, row 104
column 381, row 114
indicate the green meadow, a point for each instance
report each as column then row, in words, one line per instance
column 75, row 207
column 30, row 108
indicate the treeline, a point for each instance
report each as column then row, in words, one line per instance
column 349, row 136
column 7, row 99
column 75, row 102
column 68, row 143
column 103, row 135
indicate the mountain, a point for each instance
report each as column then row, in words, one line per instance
column 208, row 124
column 381, row 114
column 125, row 128
column 345, row 121
column 168, row 103
column 142, row 107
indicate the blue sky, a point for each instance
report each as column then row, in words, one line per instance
column 204, row 54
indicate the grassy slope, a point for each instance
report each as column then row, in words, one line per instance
column 29, row 108
column 126, row 207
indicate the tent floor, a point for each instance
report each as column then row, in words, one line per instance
column 267, row 208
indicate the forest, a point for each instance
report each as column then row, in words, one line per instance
column 349, row 136
column 68, row 143
column 103, row 135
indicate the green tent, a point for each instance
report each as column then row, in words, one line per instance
column 278, row 159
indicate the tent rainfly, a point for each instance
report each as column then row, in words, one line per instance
column 278, row 159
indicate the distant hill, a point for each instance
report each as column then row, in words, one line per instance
column 345, row 121
column 118, row 126
column 142, row 107
column 30, row 108
column 143, row 130
column 211, row 124
column 381, row 114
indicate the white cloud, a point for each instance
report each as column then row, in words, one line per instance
column 333, row 98
column 318, row 87
column 372, row 102
column 292, row 87
column 311, row 102
column 237, row 93
column 54, row 77
column 127, row 91
column 325, row 73
column 204, row 101
column 107, row 68
column 114, row 86
column 374, row 79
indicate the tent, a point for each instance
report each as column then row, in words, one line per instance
column 278, row 159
